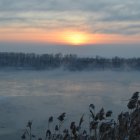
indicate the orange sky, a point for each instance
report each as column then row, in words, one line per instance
column 70, row 23
column 70, row 37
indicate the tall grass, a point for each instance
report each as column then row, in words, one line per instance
column 101, row 125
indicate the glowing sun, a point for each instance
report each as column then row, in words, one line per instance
column 76, row 38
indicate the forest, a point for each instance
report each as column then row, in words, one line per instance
column 70, row 62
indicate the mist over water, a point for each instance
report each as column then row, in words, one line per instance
column 36, row 95
column 103, row 50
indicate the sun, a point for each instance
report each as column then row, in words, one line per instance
column 76, row 38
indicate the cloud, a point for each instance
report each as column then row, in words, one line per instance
column 102, row 16
column 52, row 5
column 123, row 12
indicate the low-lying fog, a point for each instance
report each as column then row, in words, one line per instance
column 36, row 95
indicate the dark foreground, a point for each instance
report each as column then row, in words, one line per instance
column 101, row 125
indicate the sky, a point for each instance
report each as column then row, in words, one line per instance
column 72, row 23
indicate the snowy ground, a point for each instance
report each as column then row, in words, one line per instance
column 36, row 95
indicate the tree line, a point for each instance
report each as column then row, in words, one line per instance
column 68, row 62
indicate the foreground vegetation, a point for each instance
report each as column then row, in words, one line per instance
column 101, row 126
column 67, row 62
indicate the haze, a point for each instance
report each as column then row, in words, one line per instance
column 71, row 23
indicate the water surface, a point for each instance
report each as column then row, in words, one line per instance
column 35, row 95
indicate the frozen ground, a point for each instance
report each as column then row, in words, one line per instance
column 36, row 95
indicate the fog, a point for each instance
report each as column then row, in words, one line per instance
column 36, row 95
column 121, row 50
